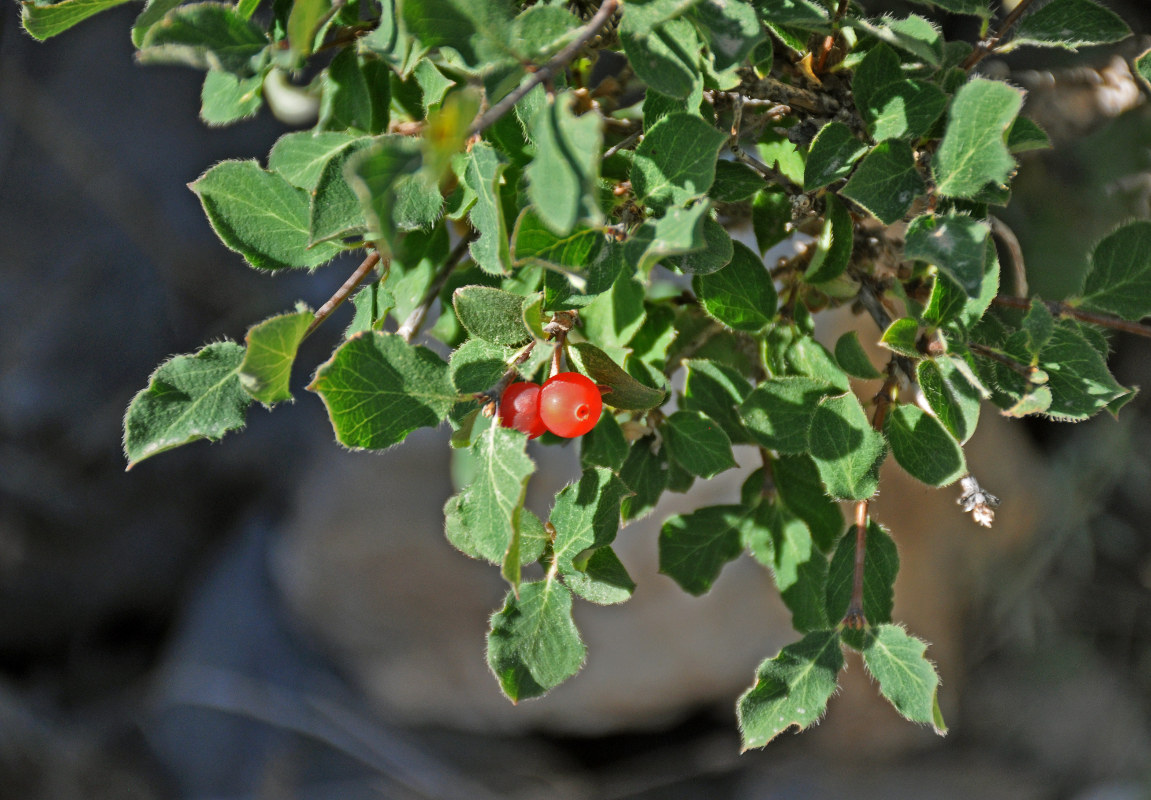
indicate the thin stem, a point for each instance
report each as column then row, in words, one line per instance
column 548, row 70
column 1001, row 230
column 988, row 45
column 769, row 174
column 1025, row 370
column 342, row 294
column 615, row 148
column 1064, row 310
column 415, row 320
column 494, row 394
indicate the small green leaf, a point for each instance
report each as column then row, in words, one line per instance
column 205, row 36
column 1119, row 281
column 603, row 580
column 778, row 412
column 953, row 399
column 563, row 177
column 665, row 57
column 741, row 295
column 271, row 351
column 714, row 256
column 975, row 8
column 923, row 447
column 614, row 317
column 604, row 445
column 833, row 153
column 1143, row 66
column 893, row 106
column 586, row 517
column 1070, row 24
column 698, row 444
column 626, row 392
column 853, row 358
column 581, row 252
column 154, row 11
column 372, row 303
column 476, row 365
column 226, row 99
column 805, row 356
column 731, row 29
column 260, row 215
column 946, row 301
column 356, row 94
column 641, row 15
column 378, row 389
column 483, row 176
column 902, row 337
column 770, row 213
column 1025, row 135
column 334, row 211
column 1078, row 377
column 734, row 182
column 717, row 391
column 833, row 247
column 693, row 548
column 886, row 181
column 533, row 645
column 915, row 35
column 300, row 158
column 800, row 489
column 906, row 678
column 792, row 689
column 974, row 152
column 1038, row 325
column 880, row 566
column 303, row 20
column 675, row 163
column 845, row 449
column 806, row 14
column 394, row 196
column 679, row 231
column 541, row 31
column 783, row 543
column 645, row 472
column 492, row 314
column 188, row 397
column 479, row 32
column 954, row 243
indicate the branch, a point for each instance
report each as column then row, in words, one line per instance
column 415, row 320
column 987, row 46
column 342, row 294
column 549, row 69
column 1065, row 310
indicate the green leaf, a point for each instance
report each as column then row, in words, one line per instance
column 492, row 314
column 626, row 392
column 734, row 182
column 541, row 31
column 906, row 678
column 693, row 548
column 902, row 337
column 271, row 351
column 778, row 412
column 893, row 106
column 604, row 445
column 487, row 510
column 1038, row 325
column 731, row 29
column 675, row 163
column 833, row 247
column 604, row 579
column 805, row 356
column 483, row 176
column 954, row 243
column 975, row 8
column 923, row 446
column 154, row 11
column 533, row 645
column 586, row 517
column 1143, row 66
column 845, row 449
column 1078, row 377
column 853, row 358
column 800, row 489
column 974, row 152
column 953, row 399
column 697, row 443
column 770, row 214
column 1025, row 135
column 1070, row 24
column 260, row 215
column 226, row 99
column 783, row 543
column 886, row 181
column 476, row 365
column 679, row 231
column 392, row 193
column 300, row 158
column 335, row 210
column 1119, row 281
column 205, row 36
column 614, row 317
column 479, row 32
column 372, row 304
column 640, row 15
column 645, row 472
column 303, row 20
column 805, row 14
column 834, row 151
column 665, row 57
column 188, row 397
column 715, row 255
column 46, row 21
column 741, row 295
column 791, row 690
column 564, row 176
column 880, row 566
column 915, row 35
column 716, row 390
column 378, row 389
column 533, row 243
column 392, row 42
column 356, row 94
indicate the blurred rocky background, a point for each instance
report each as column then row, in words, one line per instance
column 273, row 617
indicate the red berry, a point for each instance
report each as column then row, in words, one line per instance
column 570, row 404
column 520, row 408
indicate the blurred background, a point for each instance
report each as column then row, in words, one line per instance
column 273, row 617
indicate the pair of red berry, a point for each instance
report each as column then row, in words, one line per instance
column 568, row 405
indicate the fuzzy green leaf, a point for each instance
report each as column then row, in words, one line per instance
column 906, row 678
column 645, row 472
column 833, row 153
column 734, row 182
column 378, row 389
column 954, row 243
column 476, row 365
column 665, row 57
column 372, row 304
column 975, row 8
column 479, row 32
column 626, row 392
column 271, row 351
column 44, row 21
column 335, row 210
column 675, row 163
column 1026, row 135
column 693, row 548
column 741, row 295
column 886, row 181
column 923, row 447
column 845, row 449
column 953, row 399
column 300, row 158
column 260, row 215
column 783, row 543
column 586, row 517
column 714, row 256
column 717, row 391
column 356, row 94
column 791, row 689
column 880, row 566
column 225, row 98
column 902, row 337
column 188, row 397
column 800, row 489
column 778, row 412
column 698, row 444
column 205, row 36
column 893, row 106
column 974, row 152
column 492, row 314
column 1070, row 24
column 604, row 445
column 679, row 231
column 833, row 247
column 603, row 580
column 770, row 214
column 914, row 34
column 806, row 14
column 483, row 176
column 731, row 30
column 853, row 358
column 614, row 317
column 563, row 177
column 1119, row 281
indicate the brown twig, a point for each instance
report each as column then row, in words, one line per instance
column 1003, row 232
column 342, row 294
column 415, row 320
column 1065, row 310
column 548, row 70
column 987, row 46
